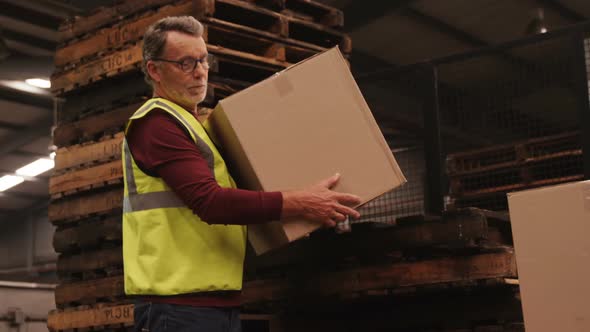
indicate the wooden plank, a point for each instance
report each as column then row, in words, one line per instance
column 91, row 128
column 321, row 13
column 243, row 42
column 487, row 158
column 88, row 235
column 318, row 34
column 130, row 59
column 107, row 149
column 246, row 14
column 90, row 261
column 90, row 291
column 311, row 10
column 460, row 228
column 450, row 269
column 109, row 65
column 101, row 97
column 86, row 179
column 261, row 33
column 105, row 16
column 83, row 206
column 106, row 315
column 116, row 36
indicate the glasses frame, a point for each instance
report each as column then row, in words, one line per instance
column 204, row 61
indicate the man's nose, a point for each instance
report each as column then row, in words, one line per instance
column 199, row 71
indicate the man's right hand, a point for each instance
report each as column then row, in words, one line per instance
column 319, row 203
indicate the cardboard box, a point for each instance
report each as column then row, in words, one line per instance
column 298, row 127
column 551, row 229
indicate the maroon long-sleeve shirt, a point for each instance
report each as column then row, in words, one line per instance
column 161, row 147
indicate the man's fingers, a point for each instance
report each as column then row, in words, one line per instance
column 331, row 181
column 338, row 217
column 348, row 199
column 345, row 210
column 329, row 223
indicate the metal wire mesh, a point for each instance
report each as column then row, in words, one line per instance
column 508, row 116
column 408, row 200
column 520, row 116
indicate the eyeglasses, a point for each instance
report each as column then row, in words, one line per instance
column 188, row 64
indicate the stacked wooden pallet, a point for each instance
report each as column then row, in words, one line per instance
column 452, row 272
column 99, row 84
column 482, row 177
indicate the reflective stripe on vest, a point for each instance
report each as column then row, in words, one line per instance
column 134, row 202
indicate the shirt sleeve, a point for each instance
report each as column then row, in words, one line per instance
column 161, row 147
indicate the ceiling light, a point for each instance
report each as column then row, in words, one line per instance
column 39, row 82
column 37, row 167
column 537, row 24
column 9, row 181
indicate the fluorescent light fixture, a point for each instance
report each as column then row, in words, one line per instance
column 37, row 167
column 9, row 181
column 22, row 86
column 39, row 82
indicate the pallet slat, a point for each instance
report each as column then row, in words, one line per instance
column 460, row 228
column 86, row 179
column 74, row 208
column 89, row 154
column 90, row 261
column 450, row 269
column 89, row 292
column 104, row 16
column 115, row 37
column 108, row 315
column 88, row 129
column 129, row 59
column 88, row 235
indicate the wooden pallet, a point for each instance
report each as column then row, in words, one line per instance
column 72, row 209
column 422, row 280
column 95, row 127
column 79, row 26
column 110, row 289
column 107, row 149
column 541, row 162
column 81, row 180
column 217, row 32
column 243, row 66
column 490, row 312
column 510, row 155
column 131, row 92
column 304, row 9
column 100, row 97
column 91, row 264
column 250, row 15
column 98, row 317
column 312, row 284
column 511, row 180
column 466, row 228
column 90, row 234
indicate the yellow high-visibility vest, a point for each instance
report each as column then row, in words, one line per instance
column 167, row 249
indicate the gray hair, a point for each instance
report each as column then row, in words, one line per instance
column 154, row 39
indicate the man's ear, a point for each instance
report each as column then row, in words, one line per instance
column 153, row 71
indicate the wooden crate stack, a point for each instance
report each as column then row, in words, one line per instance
column 99, row 84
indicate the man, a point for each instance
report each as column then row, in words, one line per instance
column 184, row 234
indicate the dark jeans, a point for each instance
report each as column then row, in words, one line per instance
column 158, row 317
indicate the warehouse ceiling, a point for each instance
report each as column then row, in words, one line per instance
column 384, row 34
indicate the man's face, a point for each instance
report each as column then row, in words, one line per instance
column 171, row 82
